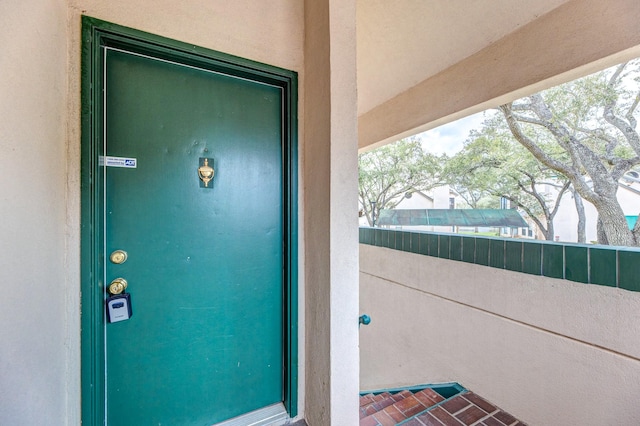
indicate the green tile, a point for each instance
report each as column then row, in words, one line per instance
column 395, row 240
column 415, row 242
column 388, row 238
column 496, row 253
column 629, row 269
column 378, row 237
column 406, row 241
column 513, row 255
column 602, row 266
column 482, row 251
column 553, row 260
column 424, row 244
column 532, row 257
column 368, row 236
column 576, row 263
column 443, row 246
column 433, row 245
column 455, row 248
column 469, row 249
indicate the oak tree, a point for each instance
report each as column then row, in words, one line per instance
column 586, row 130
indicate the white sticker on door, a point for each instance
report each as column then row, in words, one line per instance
column 130, row 163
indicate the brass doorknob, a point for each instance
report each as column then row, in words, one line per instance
column 117, row 286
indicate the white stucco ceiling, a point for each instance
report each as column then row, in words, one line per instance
column 403, row 42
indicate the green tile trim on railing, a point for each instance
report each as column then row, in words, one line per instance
column 415, row 243
column 513, row 255
column 581, row 263
column 604, row 266
column 532, row 258
column 443, row 246
column 406, row 241
column 469, row 250
column 455, row 247
column 481, row 251
column 496, row 253
column 553, row 260
column 432, row 242
column 576, row 263
column 629, row 270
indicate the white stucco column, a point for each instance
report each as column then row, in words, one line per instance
column 331, row 220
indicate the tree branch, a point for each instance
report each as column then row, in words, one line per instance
column 581, row 155
column 529, row 213
column 545, row 159
column 630, row 118
column 610, row 116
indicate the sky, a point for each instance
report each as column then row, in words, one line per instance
column 449, row 138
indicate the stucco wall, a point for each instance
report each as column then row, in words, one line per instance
column 33, row 93
column 267, row 31
column 551, row 352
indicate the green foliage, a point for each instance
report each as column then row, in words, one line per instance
column 580, row 106
column 388, row 173
column 493, row 165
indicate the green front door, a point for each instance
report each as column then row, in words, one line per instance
column 205, row 260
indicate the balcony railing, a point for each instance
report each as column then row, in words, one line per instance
column 589, row 264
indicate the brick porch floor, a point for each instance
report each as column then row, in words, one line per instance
column 428, row 408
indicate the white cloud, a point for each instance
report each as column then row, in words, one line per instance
column 449, row 138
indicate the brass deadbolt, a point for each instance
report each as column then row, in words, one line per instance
column 118, row 257
column 117, row 286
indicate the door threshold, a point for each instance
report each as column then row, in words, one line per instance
column 273, row 415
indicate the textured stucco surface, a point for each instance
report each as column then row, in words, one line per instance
column 551, row 352
column 330, row 228
column 33, row 94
